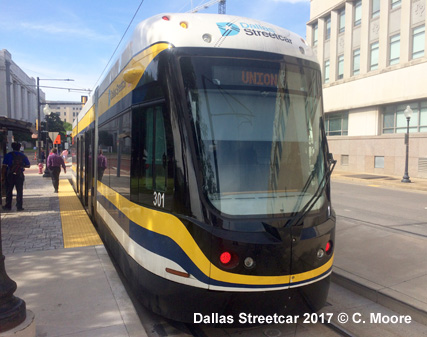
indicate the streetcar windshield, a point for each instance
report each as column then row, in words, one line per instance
column 258, row 130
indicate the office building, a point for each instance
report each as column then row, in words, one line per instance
column 67, row 111
column 373, row 59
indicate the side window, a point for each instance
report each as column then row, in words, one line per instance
column 147, row 146
column 160, row 151
column 151, row 177
column 115, row 145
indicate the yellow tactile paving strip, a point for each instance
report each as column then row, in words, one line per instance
column 77, row 229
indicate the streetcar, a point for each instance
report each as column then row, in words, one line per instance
column 202, row 159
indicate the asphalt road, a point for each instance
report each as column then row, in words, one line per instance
column 403, row 211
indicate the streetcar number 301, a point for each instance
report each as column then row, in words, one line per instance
column 159, row 199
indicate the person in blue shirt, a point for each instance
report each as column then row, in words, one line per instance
column 14, row 164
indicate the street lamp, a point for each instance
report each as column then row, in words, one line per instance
column 12, row 309
column 47, row 112
column 408, row 114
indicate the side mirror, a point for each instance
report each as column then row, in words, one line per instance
column 331, row 161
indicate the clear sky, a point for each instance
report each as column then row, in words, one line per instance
column 59, row 39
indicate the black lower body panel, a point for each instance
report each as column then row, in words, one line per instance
column 190, row 304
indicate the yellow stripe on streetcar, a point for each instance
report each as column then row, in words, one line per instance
column 170, row 226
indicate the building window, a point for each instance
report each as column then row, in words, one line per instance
column 375, row 8
column 379, row 162
column 356, row 62
column 341, row 20
column 344, row 160
column 374, row 55
column 418, row 39
column 423, row 116
column 394, row 49
column 394, row 120
column 328, row 28
column 315, row 34
column 340, row 67
column 336, row 124
column 395, row 3
column 358, row 13
column 326, row 72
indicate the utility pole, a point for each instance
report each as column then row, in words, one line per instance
column 221, row 6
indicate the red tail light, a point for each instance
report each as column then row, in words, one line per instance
column 225, row 258
column 328, row 248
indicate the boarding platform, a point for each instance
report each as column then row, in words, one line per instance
column 62, row 269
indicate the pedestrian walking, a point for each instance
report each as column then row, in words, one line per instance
column 54, row 163
column 14, row 164
column 65, row 155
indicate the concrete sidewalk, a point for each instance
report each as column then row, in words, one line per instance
column 72, row 292
column 380, row 180
column 386, row 266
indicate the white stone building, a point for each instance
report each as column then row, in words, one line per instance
column 18, row 92
column 374, row 64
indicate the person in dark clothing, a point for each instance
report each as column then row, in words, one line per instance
column 54, row 163
column 14, row 164
column 102, row 165
column 42, row 157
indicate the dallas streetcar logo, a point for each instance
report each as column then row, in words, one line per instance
column 228, row 28
column 115, row 91
column 250, row 29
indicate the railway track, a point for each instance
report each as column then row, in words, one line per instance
column 388, row 227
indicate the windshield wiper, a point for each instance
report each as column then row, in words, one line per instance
column 307, row 184
column 316, row 196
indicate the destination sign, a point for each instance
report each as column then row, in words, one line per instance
column 259, row 77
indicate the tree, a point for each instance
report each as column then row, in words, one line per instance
column 54, row 123
column 68, row 126
column 21, row 136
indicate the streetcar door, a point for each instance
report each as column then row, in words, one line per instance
column 77, row 140
column 152, row 169
column 81, row 167
column 88, row 183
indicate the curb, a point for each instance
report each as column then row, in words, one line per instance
column 417, row 184
column 391, row 299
